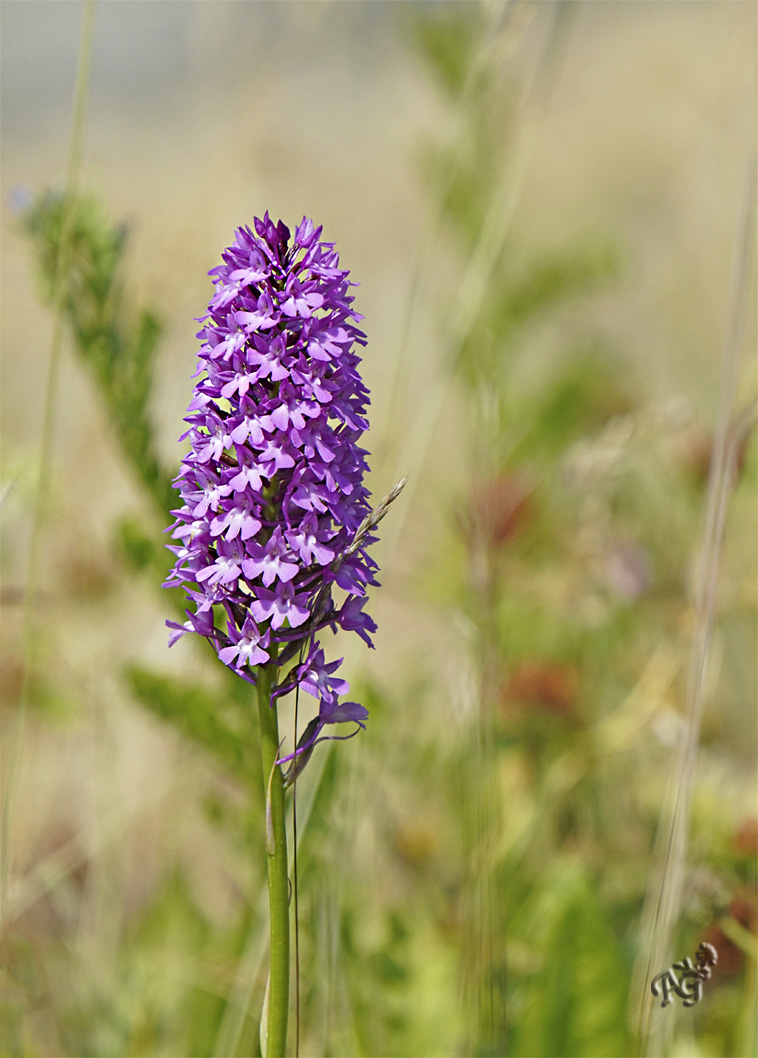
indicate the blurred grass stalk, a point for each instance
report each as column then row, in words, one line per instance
column 515, row 155
column 483, row 980
column 11, row 755
column 664, row 897
column 273, row 1034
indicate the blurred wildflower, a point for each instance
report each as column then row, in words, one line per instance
column 275, row 515
column 500, row 509
column 742, row 910
column 20, row 198
column 548, row 688
column 746, row 838
column 626, row 569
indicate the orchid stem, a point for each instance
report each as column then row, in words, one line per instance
column 276, row 1005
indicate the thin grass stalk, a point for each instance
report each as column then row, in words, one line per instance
column 502, row 207
column 483, row 977
column 663, row 903
column 483, row 982
column 44, row 479
column 276, row 1003
column 295, row 900
column 489, row 246
column 428, row 245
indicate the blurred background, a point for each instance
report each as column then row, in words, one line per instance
column 547, row 206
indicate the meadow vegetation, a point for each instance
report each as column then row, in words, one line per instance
column 479, row 872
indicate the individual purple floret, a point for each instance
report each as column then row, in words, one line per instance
column 272, row 488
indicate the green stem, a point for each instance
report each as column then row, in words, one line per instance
column 43, row 488
column 276, row 1006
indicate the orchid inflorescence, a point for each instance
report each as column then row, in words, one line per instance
column 275, row 516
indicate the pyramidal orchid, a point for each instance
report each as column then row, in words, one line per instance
column 272, row 533
column 272, row 488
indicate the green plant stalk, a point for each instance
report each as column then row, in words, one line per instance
column 43, row 487
column 276, row 1005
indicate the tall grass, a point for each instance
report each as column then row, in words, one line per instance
column 13, row 746
column 664, row 904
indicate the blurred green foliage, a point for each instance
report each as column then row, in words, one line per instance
column 117, row 345
column 198, row 715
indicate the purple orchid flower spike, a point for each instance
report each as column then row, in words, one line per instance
column 272, row 532
column 274, row 526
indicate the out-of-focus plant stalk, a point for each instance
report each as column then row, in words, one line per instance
column 42, row 492
column 276, row 1004
column 663, row 906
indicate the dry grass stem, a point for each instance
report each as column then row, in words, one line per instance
column 663, row 903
